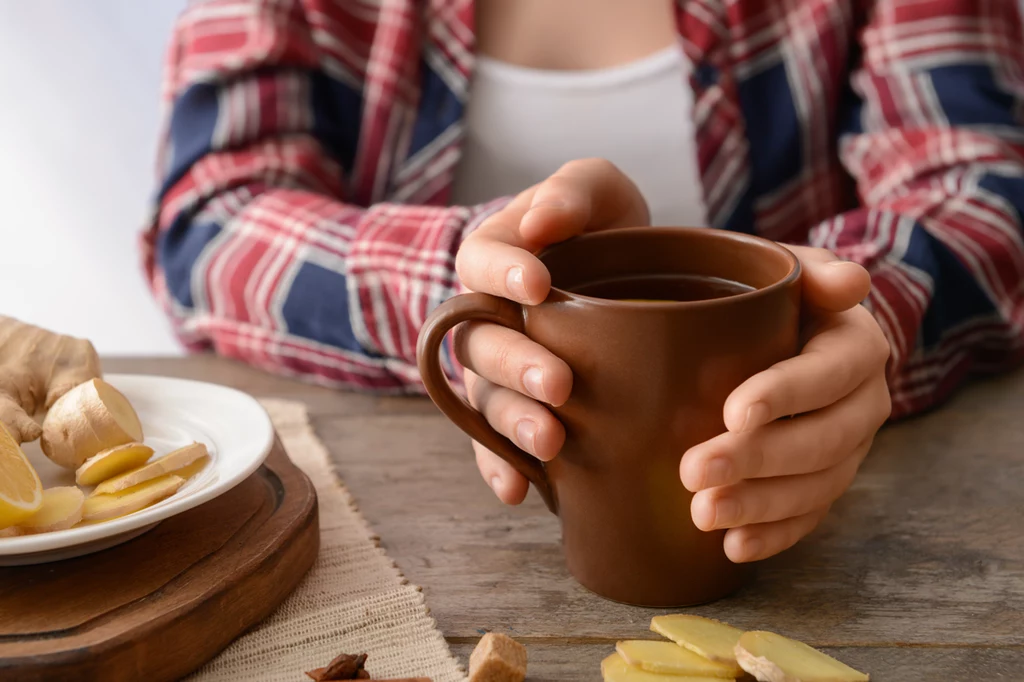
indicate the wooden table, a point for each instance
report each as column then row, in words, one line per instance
column 917, row 574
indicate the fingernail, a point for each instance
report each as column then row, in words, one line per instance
column 526, row 434
column 727, row 512
column 753, row 548
column 758, row 414
column 515, row 284
column 717, row 472
column 533, row 380
column 547, row 203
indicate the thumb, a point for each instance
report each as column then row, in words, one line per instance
column 582, row 196
column 829, row 283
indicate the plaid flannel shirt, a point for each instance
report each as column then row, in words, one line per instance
column 302, row 221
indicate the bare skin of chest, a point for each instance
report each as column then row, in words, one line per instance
column 541, row 34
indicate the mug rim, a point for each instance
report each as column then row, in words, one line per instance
column 715, row 233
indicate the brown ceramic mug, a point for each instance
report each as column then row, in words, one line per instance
column 650, row 379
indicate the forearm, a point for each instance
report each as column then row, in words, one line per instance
column 945, row 281
column 299, row 283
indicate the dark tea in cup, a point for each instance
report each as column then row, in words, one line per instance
column 662, row 288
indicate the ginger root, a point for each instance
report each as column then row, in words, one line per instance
column 704, row 636
column 106, row 507
column 616, row 669
column 37, row 367
column 91, row 417
column 62, row 509
column 112, row 462
column 497, row 658
column 669, row 658
column 171, row 463
column 773, row 658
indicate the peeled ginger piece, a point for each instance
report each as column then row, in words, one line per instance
column 21, row 493
column 773, row 658
column 111, row 462
column 615, row 669
column 89, row 418
column 704, row 636
column 669, row 658
column 62, row 508
column 110, row 506
column 170, row 463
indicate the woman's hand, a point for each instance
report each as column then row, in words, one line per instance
column 510, row 378
column 770, row 479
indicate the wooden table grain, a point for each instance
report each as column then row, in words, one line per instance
column 917, row 573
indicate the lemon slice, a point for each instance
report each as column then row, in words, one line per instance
column 21, row 493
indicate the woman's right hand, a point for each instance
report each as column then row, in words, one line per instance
column 508, row 377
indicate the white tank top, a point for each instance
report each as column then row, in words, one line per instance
column 521, row 124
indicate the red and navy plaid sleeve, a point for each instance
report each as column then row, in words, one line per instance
column 257, row 249
column 935, row 143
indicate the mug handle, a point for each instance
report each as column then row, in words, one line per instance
column 456, row 310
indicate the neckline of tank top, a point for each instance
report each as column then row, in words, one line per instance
column 654, row 64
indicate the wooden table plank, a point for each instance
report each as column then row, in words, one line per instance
column 922, row 561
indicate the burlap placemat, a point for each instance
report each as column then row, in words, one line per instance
column 354, row 600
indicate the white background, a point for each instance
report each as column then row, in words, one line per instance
column 79, row 117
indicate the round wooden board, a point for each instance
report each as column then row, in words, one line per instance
column 158, row 607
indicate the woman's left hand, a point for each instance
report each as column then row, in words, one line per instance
column 770, row 480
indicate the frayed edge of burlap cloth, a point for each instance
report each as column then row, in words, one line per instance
column 354, row 600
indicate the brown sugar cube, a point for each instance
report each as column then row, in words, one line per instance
column 497, row 658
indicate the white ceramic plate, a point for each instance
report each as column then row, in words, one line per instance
column 174, row 412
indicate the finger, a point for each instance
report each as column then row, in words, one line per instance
column 846, row 350
column 507, row 358
column 525, row 422
column 499, row 268
column 498, row 257
column 507, row 483
column 813, row 442
column 773, row 499
column 829, row 283
column 762, row 540
column 583, row 195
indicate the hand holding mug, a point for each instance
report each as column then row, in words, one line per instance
column 508, row 377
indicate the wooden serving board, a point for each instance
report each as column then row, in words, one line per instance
column 161, row 605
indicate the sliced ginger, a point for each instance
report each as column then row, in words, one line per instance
column 171, row 463
column 773, row 658
column 192, row 469
column 91, row 417
column 111, row 462
column 110, row 506
column 21, row 492
column 672, row 659
column 616, row 669
column 62, row 508
column 704, row 636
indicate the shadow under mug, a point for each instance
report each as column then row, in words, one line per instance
column 650, row 380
